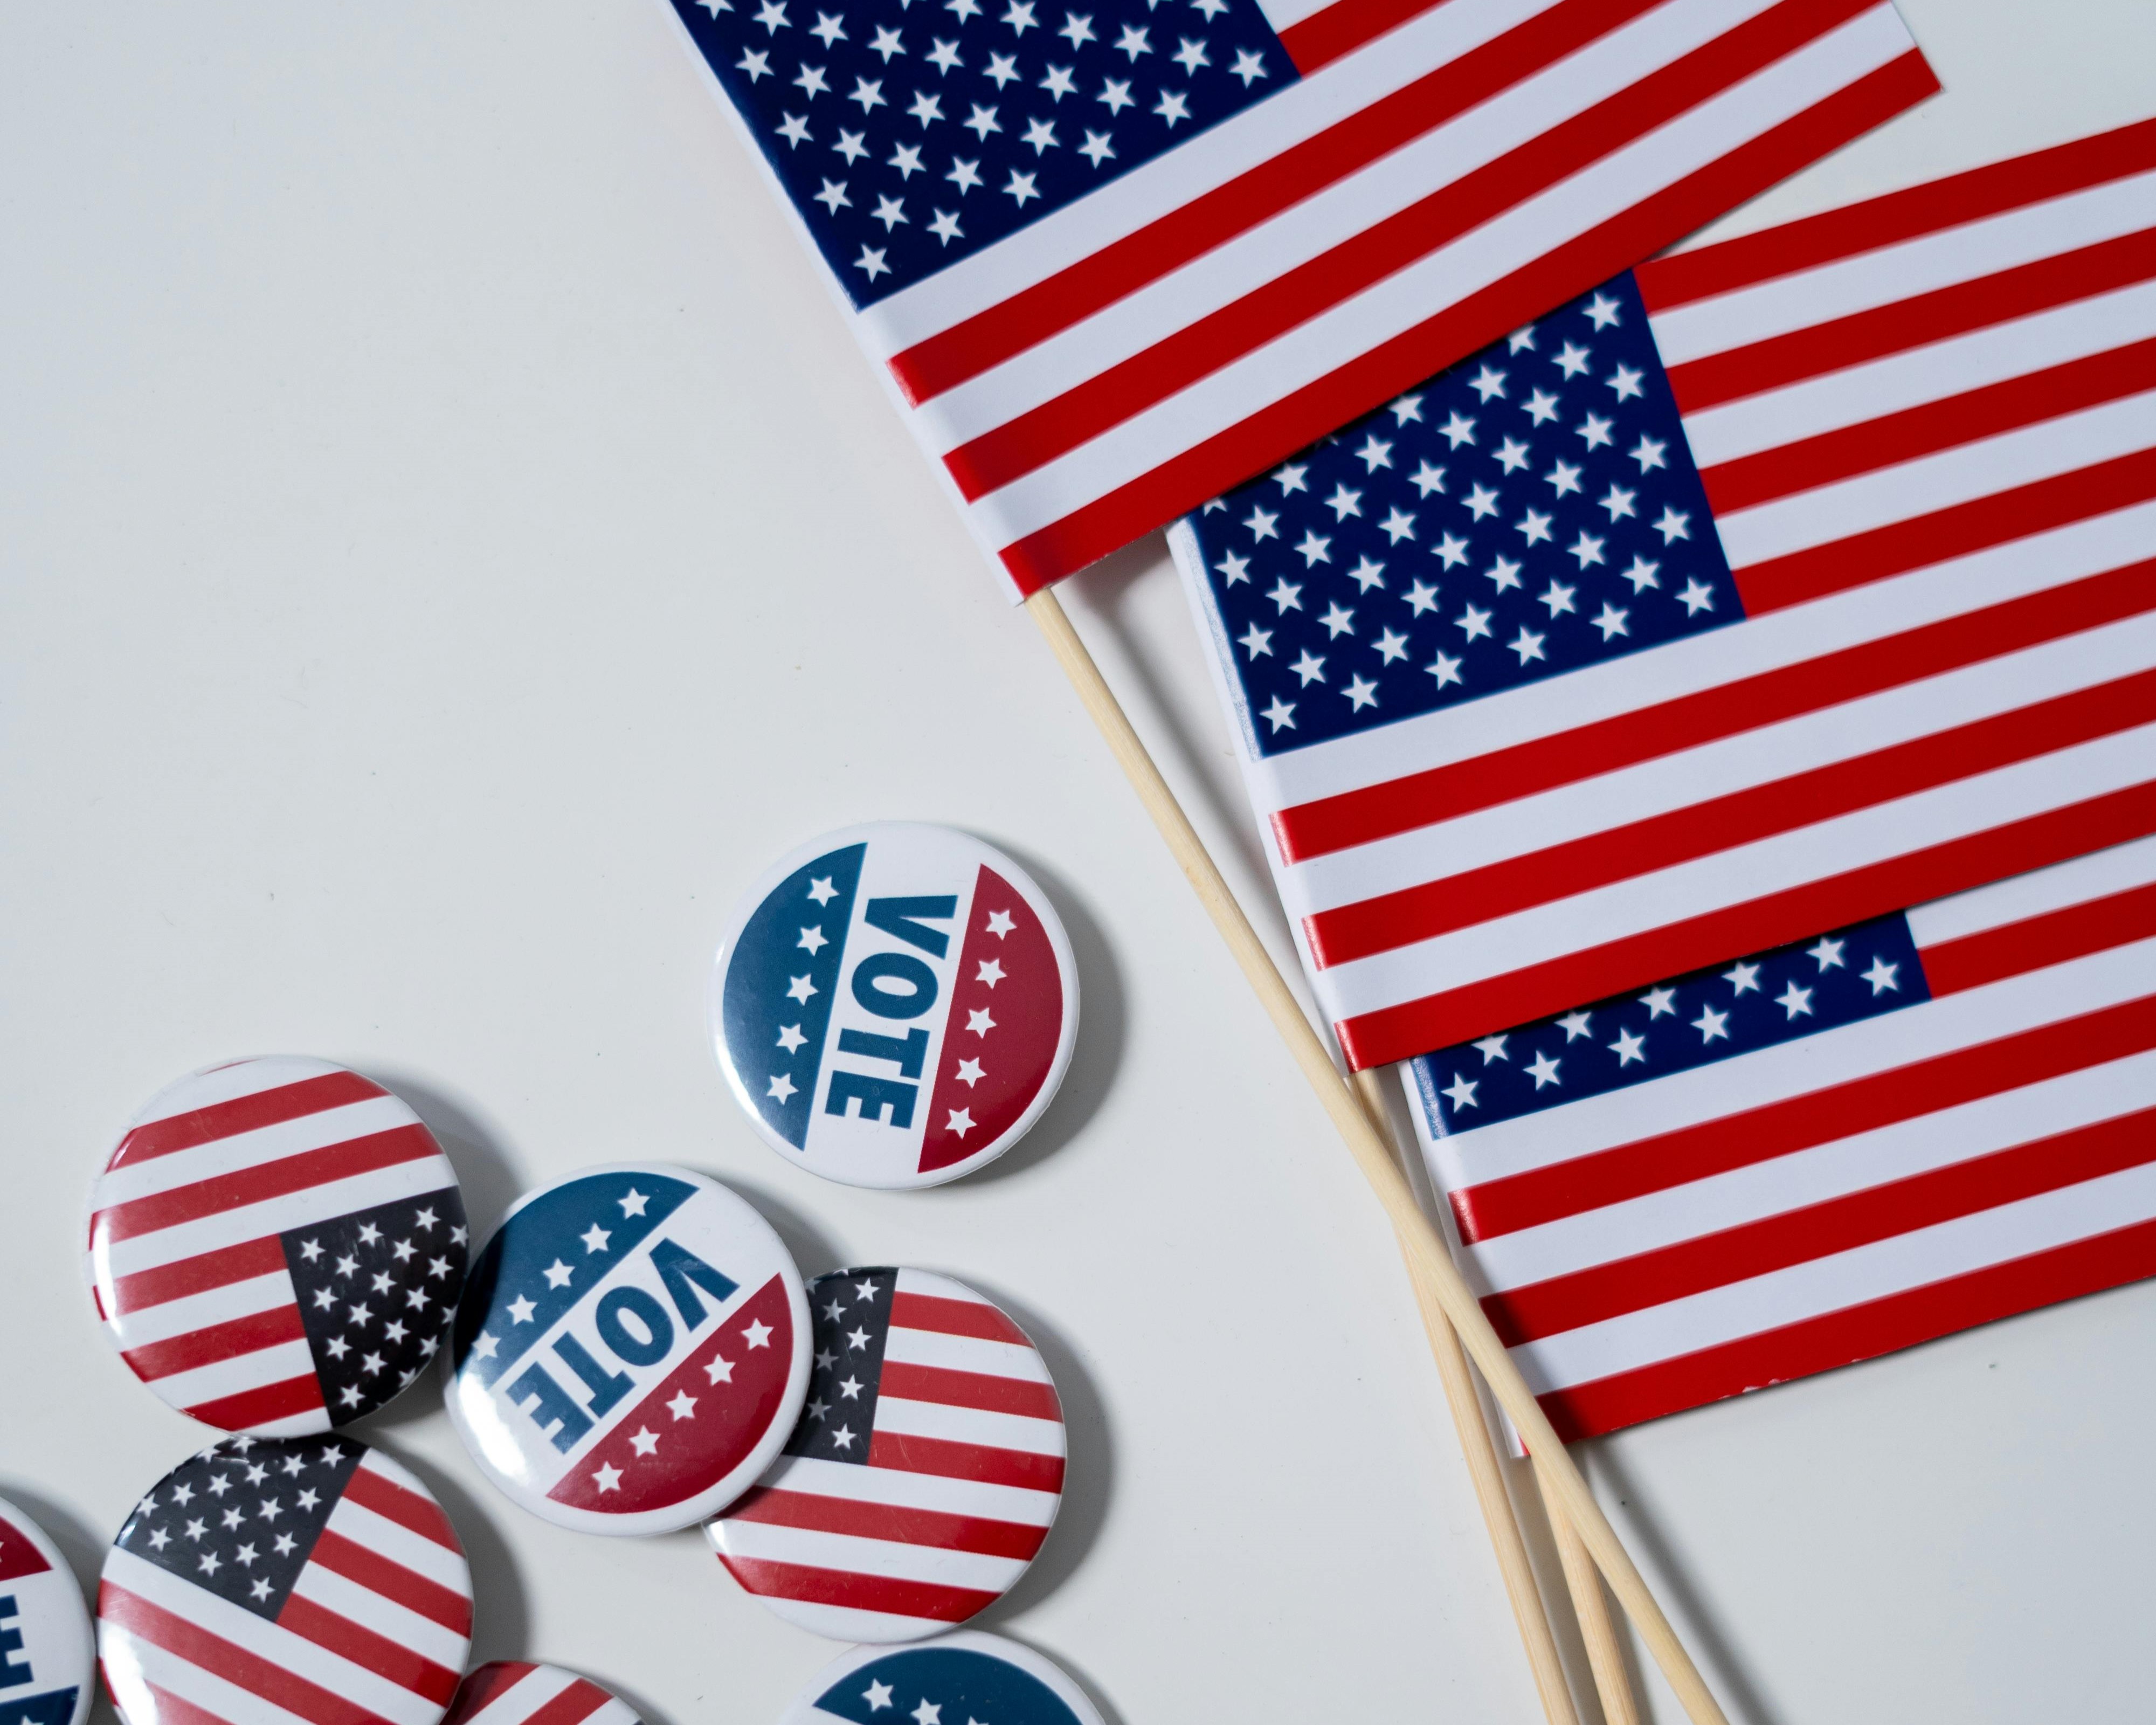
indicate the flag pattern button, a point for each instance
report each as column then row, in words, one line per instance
column 967, row 1678
column 924, row 1474
column 270, row 1579
column 276, row 1245
column 510, row 1691
column 632, row 1350
column 44, row 1632
column 895, row 1005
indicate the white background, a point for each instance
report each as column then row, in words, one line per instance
column 448, row 548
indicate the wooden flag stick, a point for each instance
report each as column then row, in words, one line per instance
column 1486, row 1469
column 1597, row 1628
column 1612, row 1682
column 1419, row 1235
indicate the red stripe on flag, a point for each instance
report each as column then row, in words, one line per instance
column 1758, row 812
column 1226, row 459
column 1413, row 1027
column 1820, row 1230
column 1918, row 322
column 953, row 1317
column 1109, row 397
column 281, row 1178
column 1925, row 541
column 900, row 1525
column 286, row 1400
column 241, row 1114
column 198, row 1275
column 1857, row 1333
column 2037, row 941
column 1897, row 216
column 982, row 1462
column 969, row 1389
column 236, row 1665
column 377, row 1573
column 217, row 1341
column 1914, row 432
column 1118, row 270
column 579, row 1701
column 855, row 1592
column 1669, row 1159
column 1420, row 799
column 408, row 1509
column 354, row 1641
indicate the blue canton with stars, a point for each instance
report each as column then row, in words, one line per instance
column 944, row 1685
column 1532, row 511
column 1708, row 1015
column 242, row 1518
column 908, row 138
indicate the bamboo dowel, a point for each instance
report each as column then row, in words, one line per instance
column 1486, row 1472
column 1562, row 1480
column 1612, row 1682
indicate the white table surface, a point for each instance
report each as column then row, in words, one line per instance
column 448, row 548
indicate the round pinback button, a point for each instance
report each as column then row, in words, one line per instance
column 632, row 1350
column 276, row 1245
column 924, row 1474
column 508, row 1691
column 45, row 1655
column 895, row 1005
column 964, row 1676
column 279, row 1578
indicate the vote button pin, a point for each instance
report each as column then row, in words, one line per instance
column 44, row 1631
column 965, row 1677
column 632, row 1350
column 895, row 1005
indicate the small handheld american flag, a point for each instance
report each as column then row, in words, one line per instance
column 1114, row 255
column 1788, row 581
column 1816, row 1154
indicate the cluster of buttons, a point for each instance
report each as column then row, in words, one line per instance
column 278, row 1247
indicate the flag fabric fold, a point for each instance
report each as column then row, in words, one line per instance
column 1112, row 257
column 1776, row 585
column 1814, row 1155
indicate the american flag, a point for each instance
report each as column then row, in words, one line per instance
column 508, row 1691
column 925, row 1472
column 1116, row 255
column 277, row 1246
column 270, row 1579
column 964, row 1677
column 1795, row 580
column 1817, row 1154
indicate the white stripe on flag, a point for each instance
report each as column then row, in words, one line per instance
column 2099, row 875
column 212, row 1306
column 239, row 1372
column 964, row 1353
column 248, row 1150
column 524, row 1697
column 751, row 1541
column 901, row 1488
column 398, row 1543
column 376, row 1611
column 969, row 1426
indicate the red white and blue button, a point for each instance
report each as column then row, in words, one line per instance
column 925, row 1473
column 45, row 1655
column 510, row 1691
column 275, row 1579
column 632, row 1350
column 964, row 1679
column 895, row 1005
column 276, row 1245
